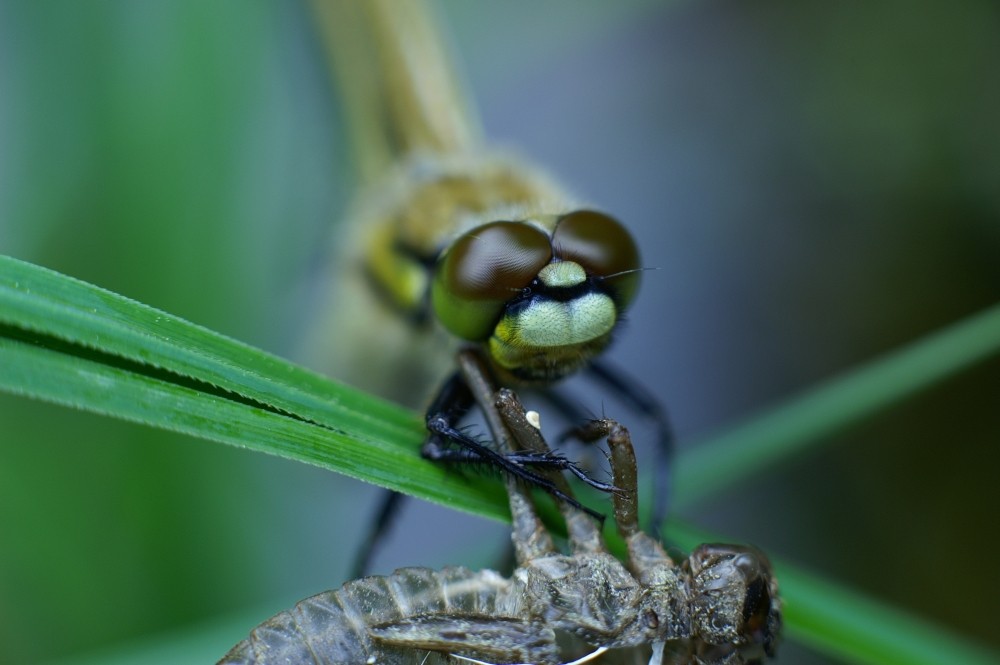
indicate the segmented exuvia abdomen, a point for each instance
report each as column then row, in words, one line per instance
column 332, row 627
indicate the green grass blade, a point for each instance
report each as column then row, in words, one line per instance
column 39, row 300
column 851, row 626
column 68, row 342
column 36, row 300
column 720, row 461
column 101, row 387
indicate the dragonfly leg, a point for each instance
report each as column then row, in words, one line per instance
column 552, row 461
column 447, row 443
column 644, row 402
column 472, row 451
column 390, row 507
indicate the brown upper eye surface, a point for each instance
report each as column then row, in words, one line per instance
column 484, row 269
column 602, row 246
column 492, row 260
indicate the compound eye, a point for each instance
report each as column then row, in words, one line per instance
column 481, row 271
column 603, row 247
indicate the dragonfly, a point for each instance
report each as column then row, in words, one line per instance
column 455, row 243
column 720, row 606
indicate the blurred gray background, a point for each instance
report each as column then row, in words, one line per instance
column 815, row 183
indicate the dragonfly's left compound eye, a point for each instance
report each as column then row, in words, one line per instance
column 603, row 247
column 481, row 271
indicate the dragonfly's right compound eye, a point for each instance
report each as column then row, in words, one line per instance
column 604, row 248
column 484, row 269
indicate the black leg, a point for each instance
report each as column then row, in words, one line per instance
column 450, row 405
column 391, row 504
column 639, row 397
column 452, row 402
column 447, row 443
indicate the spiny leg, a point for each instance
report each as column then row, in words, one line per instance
column 451, row 404
column 472, row 380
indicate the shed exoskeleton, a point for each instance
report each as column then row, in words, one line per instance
column 718, row 606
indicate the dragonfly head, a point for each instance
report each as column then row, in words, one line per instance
column 543, row 295
column 734, row 597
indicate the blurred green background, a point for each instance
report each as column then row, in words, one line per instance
column 815, row 183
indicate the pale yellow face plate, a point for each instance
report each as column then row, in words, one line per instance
column 553, row 323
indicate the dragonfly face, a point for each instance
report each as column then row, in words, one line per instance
column 543, row 294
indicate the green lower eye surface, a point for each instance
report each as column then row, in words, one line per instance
column 483, row 270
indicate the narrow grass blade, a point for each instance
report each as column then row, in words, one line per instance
column 68, row 342
column 44, row 302
column 745, row 449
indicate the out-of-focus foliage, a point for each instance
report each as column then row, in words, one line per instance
column 815, row 182
column 182, row 154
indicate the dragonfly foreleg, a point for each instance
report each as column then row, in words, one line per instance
column 471, row 451
column 446, row 442
column 555, row 462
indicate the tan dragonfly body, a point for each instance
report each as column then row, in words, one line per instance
column 428, row 178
